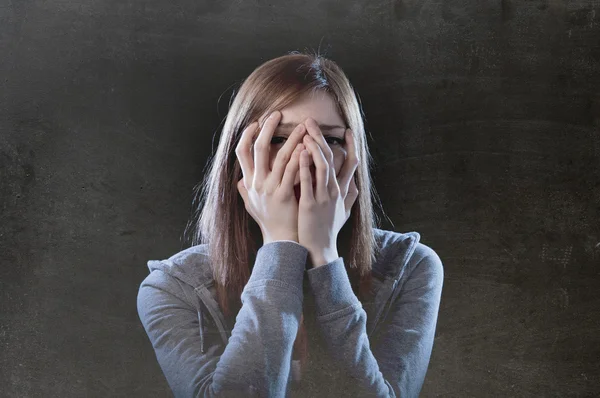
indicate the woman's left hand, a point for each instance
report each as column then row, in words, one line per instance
column 323, row 213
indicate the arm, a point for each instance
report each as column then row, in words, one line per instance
column 260, row 347
column 396, row 367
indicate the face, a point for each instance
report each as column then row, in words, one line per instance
column 320, row 107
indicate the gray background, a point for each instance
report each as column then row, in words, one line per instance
column 484, row 118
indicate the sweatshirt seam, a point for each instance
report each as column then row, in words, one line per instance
column 402, row 281
column 274, row 283
column 341, row 312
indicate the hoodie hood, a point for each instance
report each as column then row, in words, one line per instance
column 191, row 266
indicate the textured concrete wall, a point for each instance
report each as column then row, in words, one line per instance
column 485, row 119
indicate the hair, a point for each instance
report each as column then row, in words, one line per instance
column 223, row 223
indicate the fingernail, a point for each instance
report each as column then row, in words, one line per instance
column 273, row 115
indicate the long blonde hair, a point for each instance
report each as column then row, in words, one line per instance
column 223, row 223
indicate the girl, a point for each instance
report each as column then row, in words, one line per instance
column 290, row 289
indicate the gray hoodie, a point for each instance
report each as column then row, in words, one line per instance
column 380, row 348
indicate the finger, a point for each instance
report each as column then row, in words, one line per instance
column 291, row 169
column 243, row 152
column 350, row 197
column 262, row 147
column 305, row 178
column 321, row 165
column 285, row 153
column 315, row 132
column 243, row 193
column 350, row 164
column 333, row 185
column 242, row 189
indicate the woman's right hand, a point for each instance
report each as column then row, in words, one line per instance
column 269, row 195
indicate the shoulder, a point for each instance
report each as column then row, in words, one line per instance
column 427, row 264
column 190, row 266
column 173, row 280
column 401, row 254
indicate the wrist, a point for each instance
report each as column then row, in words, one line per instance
column 321, row 258
column 278, row 238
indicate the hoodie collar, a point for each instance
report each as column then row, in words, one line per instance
column 399, row 248
column 190, row 266
column 397, row 251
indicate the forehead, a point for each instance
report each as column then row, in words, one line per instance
column 319, row 106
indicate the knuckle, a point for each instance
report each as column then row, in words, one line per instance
column 308, row 206
column 260, row 146
column 284, row 157
column 280, row 194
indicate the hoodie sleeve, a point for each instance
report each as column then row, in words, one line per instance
column 396, row 367
column 259, row 349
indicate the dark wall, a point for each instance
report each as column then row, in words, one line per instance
column 484, row 118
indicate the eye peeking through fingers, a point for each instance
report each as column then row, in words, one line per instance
column 336, row 140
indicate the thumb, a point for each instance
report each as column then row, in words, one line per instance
column 351, row 197
column 243, row 192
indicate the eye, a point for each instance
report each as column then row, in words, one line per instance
column 274, row 140
column 339, row 141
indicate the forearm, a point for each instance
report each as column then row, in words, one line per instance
column 260, row 346
column 342, row 322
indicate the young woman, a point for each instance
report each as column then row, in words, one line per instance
column 290, row 289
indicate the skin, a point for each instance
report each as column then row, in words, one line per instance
column 332, row 153
column 320, row 107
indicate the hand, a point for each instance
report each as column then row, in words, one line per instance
column 323, row 213
column 269, row 195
